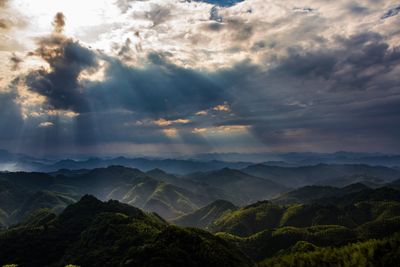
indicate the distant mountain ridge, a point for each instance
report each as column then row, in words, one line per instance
column 245, row 188
column 319, row 174
column 172, row 196
column 194, row 163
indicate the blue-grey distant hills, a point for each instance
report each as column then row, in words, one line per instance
column 197, row 163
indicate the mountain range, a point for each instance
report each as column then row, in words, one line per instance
column 257, row 214
column 196, row 163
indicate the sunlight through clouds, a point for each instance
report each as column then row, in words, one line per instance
column 270, row 74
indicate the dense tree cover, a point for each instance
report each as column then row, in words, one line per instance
column 171, row 196
column 312, row 193
column 205, row 216
column 264, row 215
column 264, row 228
column 269, row 242
column 95, row 233
column 3, row 218
column 384, row 252
column 250, row 219
column 152, row 195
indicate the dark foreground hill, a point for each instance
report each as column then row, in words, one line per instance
column 384, row 252
column 359, row 232
column 94, row 233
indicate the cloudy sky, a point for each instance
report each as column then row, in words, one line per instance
column 159, row 77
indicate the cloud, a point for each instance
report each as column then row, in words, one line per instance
column 59, row 22
column 3, row 24
column 46, row 124
column 67, row 59
column 361, row 62
column 239, row 29
column 159, row 89
column 15, row 61
column 222, row 3
column 220, row 75
column 214, row 15
column 303, row 9
column 164, row 122
column 171, row 132
column 9, row 17
column 225, row 107
column 158, row 14
column 125, row 5
column 391, row 12
column 60, row 84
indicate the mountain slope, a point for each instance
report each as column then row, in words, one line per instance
column 208, row 192
column 203, row 217
column 318, row 174
column 41, row 200
column 32, row 180
column 350, row 211
column 308, row 194
column 241, row 188
column 250, row 219
column 11, row 196
column 373, row 252
column 378, row 194
column 152, row 195
column 94, row 233
column 3, row 218
column 370, row 181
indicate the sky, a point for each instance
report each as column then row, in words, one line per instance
column 163, row 77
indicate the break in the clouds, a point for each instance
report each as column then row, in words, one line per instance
column 158, row 77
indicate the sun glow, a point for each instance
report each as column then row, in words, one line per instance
column 81, row 15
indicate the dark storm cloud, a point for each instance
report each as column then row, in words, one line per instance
column 362, row 63
column 340, row 122
column 67, row 60
column 161, row 88
column 311, row 98
column 323, row 98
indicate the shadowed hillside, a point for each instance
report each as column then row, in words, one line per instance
column 203, row 217
column 95, row 233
